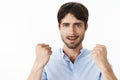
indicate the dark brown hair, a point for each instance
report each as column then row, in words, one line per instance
column 75, row 8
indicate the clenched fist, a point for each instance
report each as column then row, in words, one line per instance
column 43, row 52
column 99, row 55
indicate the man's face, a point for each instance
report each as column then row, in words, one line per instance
column 72, row 31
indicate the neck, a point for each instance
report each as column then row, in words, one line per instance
column 72, row 53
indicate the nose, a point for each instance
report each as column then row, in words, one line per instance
column 72, row 30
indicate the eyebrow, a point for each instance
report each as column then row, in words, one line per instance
column 78, row 23
column 65, row 23
column 73, row 23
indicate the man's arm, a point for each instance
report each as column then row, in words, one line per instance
column 43, row 53
column 36, row 73
column 108, row 73
column 99, row 55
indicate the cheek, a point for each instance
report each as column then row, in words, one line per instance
column 81, row 31
column 63, row 32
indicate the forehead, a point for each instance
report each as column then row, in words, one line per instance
column 70, row 18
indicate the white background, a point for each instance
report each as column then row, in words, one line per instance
column 24, row 23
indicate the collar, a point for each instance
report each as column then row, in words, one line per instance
column 64, row 56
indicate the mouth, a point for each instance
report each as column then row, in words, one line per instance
column 72, row 38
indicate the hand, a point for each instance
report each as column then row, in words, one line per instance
column 43, row 52
column 99, row 55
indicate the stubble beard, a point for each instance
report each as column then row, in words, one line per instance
column 73, row 45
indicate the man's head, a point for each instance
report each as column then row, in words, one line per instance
column 72, row 19
column 76, row 9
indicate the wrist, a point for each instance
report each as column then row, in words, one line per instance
column 106, row 68
column 108, row 73
column 37, row 67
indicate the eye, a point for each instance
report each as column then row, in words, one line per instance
column 65, row 24
column 77, row 24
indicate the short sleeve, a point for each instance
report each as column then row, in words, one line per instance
column 44, row 75
column 100, row 76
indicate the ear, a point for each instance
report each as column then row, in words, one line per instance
column 86, row 26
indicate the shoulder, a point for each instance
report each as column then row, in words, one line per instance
column 56, row 53
column 55, row 58
column 85, row 52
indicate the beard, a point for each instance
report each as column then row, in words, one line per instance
column 75, row 44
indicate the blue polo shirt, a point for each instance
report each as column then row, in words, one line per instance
column 60, row 67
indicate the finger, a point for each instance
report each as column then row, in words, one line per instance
column 98, row 49
column 101, row 46
column 43, row 45
column 48, row 50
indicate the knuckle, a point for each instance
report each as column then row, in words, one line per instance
column 95, row 53
column 39, row 45
column 47, row 51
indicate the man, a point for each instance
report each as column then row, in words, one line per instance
column 72, row 62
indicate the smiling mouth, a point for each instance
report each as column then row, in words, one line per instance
column 72, row 37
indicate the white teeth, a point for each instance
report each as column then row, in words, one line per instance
column 72, row 37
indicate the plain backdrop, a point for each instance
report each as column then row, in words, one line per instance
column 25, row 23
